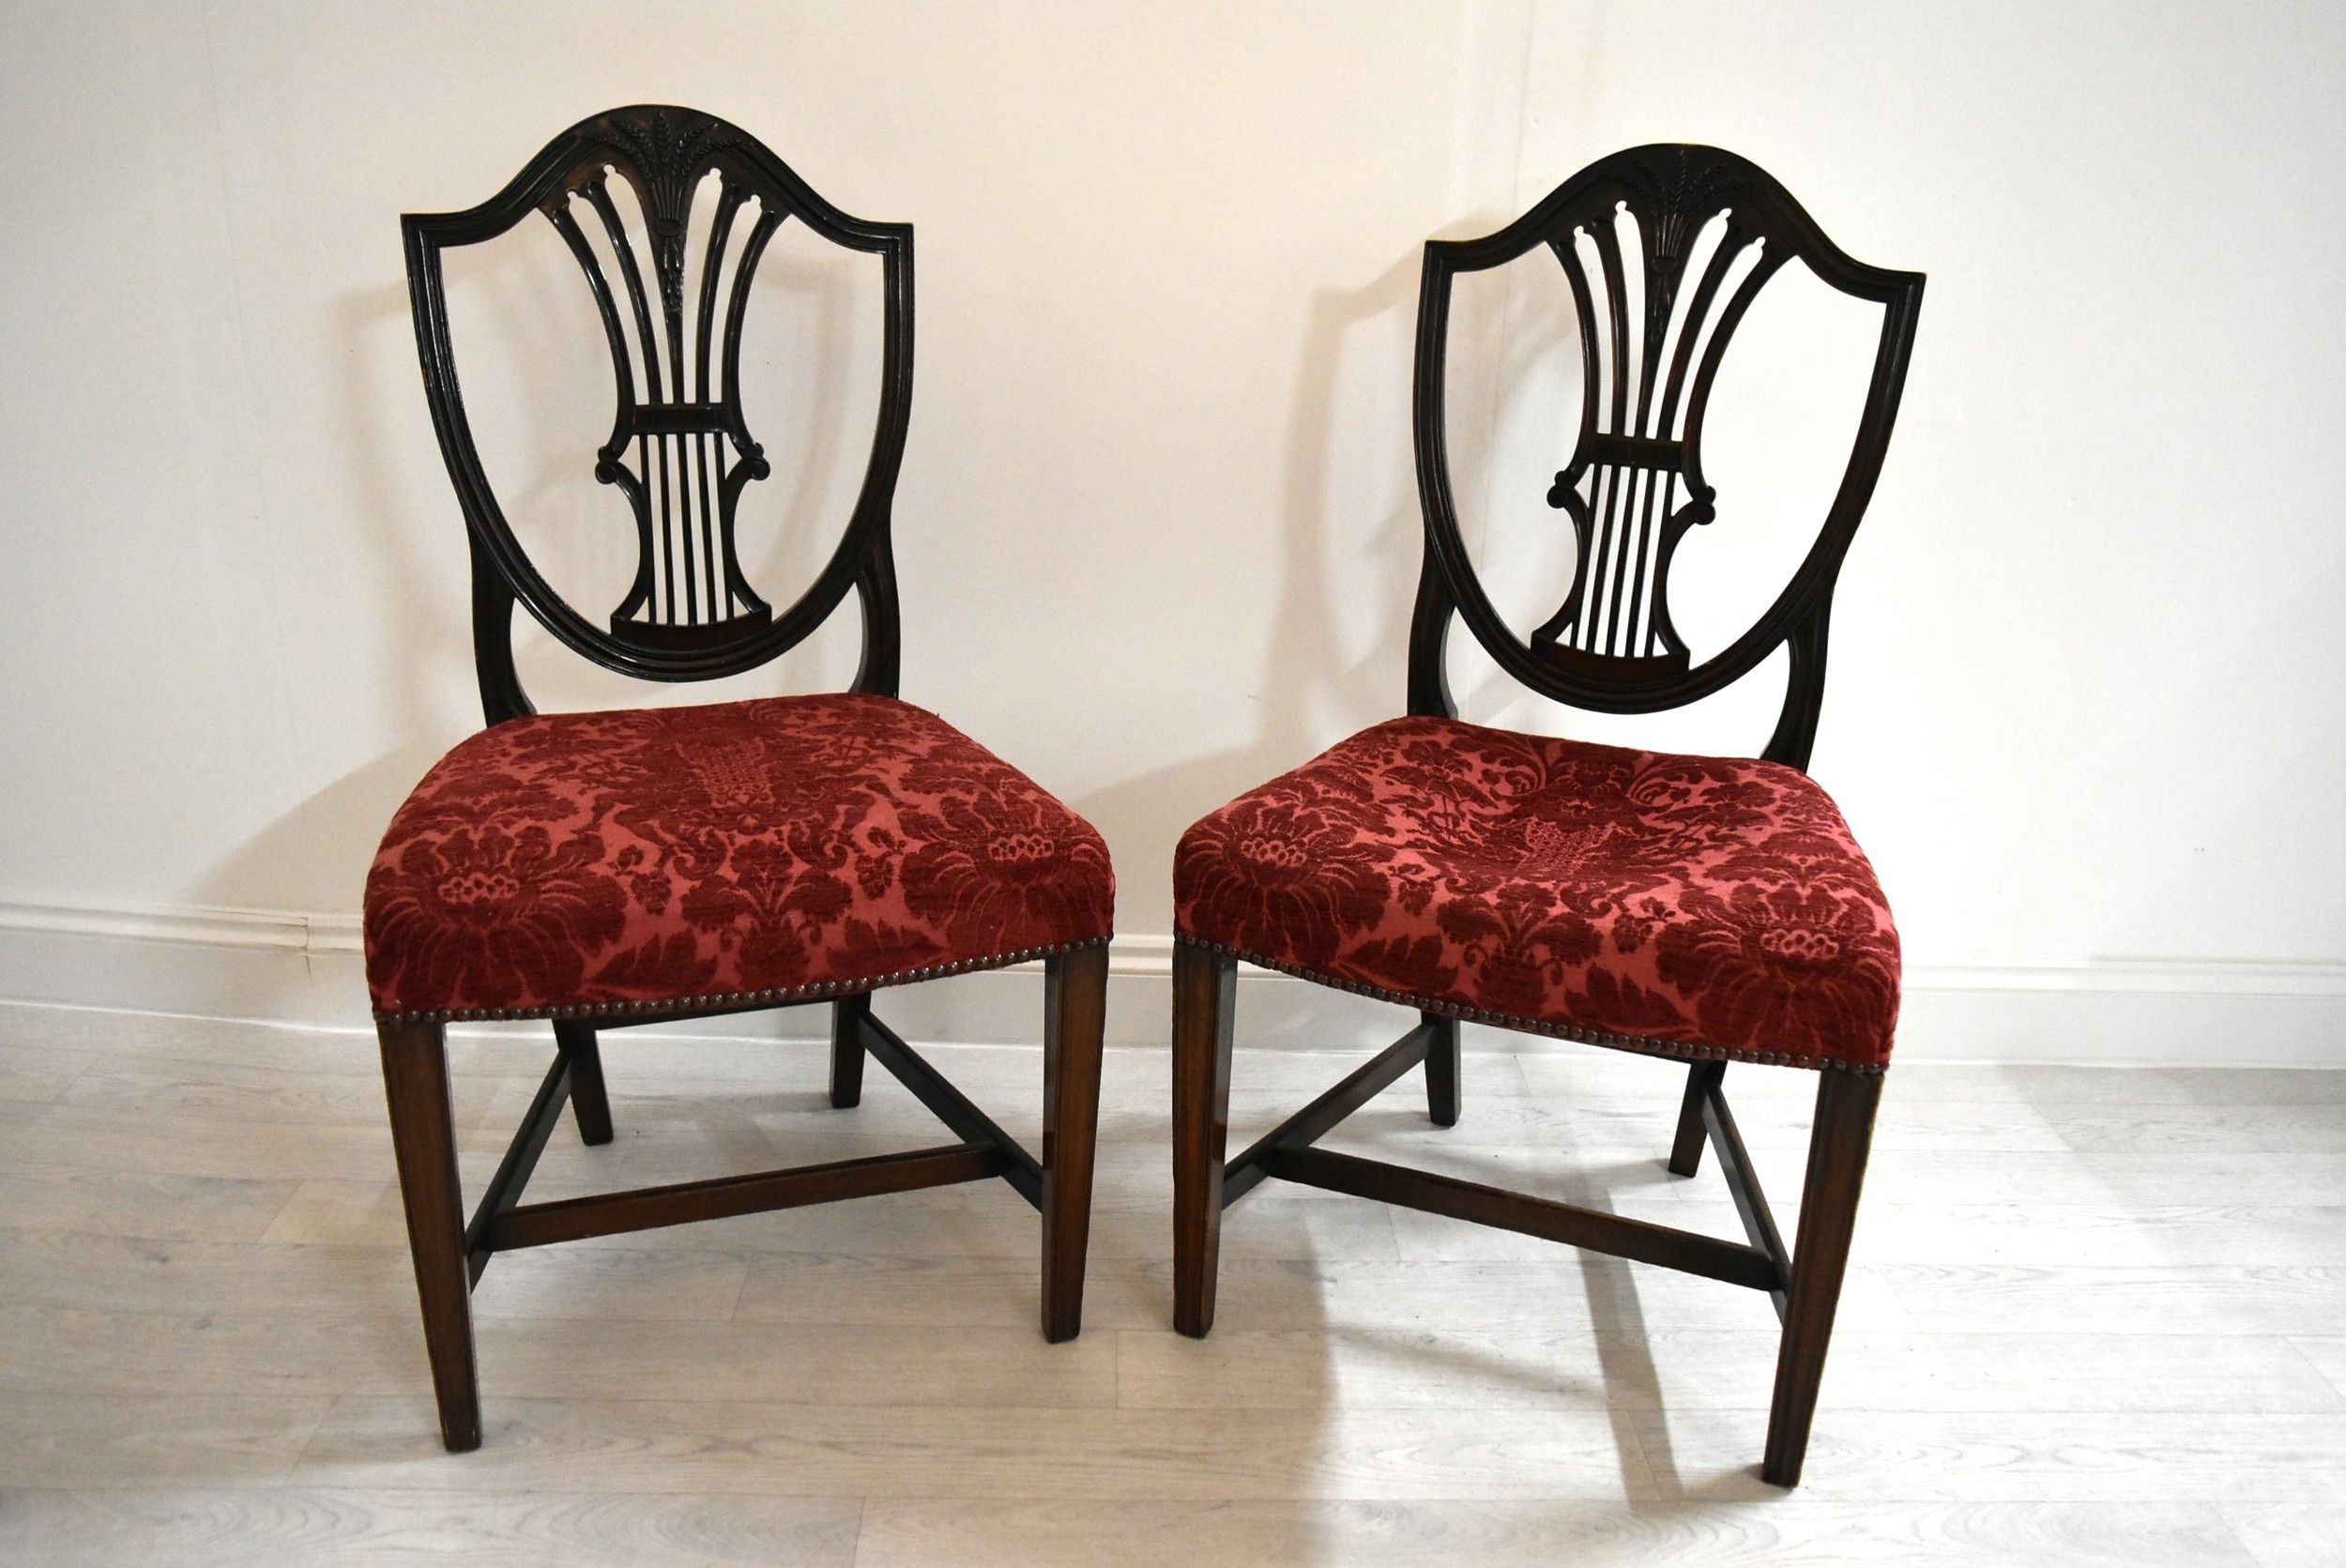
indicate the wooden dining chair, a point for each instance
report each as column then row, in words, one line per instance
column 1710, row 909
column 604, row 870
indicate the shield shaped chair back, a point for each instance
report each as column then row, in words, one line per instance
column 1628, row 230
column 680, row 449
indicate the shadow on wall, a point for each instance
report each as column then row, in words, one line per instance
column 427, row 615
column 331, row 836
column 314, row 857
column 1352, row 544
column 1310, row 694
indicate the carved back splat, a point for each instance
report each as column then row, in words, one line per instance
column 680, row 449
column 1634, row 483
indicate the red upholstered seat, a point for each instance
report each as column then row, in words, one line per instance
column 751, row 852
column 1695, row 906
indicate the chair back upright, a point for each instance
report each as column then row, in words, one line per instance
column 1651, row 345
column 680, row 449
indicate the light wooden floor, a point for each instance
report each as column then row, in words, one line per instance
column 2096, row 1317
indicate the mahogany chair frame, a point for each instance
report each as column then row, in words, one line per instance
column 1610, row 647
column 698, row 623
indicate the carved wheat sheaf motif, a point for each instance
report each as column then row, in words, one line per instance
column 1678, row 199
column 681, row 453
column 667, row 212
column 1639, row 443
column 669, row 156
column 1665, row 248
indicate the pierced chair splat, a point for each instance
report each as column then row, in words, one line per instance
column 602, row 870
column 1710, row 909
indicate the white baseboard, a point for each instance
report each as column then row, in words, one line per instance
column 307, row 971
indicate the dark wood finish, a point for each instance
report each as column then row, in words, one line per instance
column 679, row 451
column 1698, row 232
column 1686, row 1148
column 423, row 1140
column 1205, row 996
column 501, row 693
column 1635, row 484
column 848, row 1016
column 590, row 1101
column 1021, row 1170
column 1322, row 1116
column 1074, row 1018
column 513, row 1172
column 539, row 1224
column 1442, row 1065
column 1742, row 1185
column 1570, row 1224
column 643, row 197
column 1846, row 1103
column 1795, row 732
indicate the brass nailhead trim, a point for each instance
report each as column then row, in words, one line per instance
column 772, row 997
column 1641, row 1045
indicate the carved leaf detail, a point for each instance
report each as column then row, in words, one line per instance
column 667, row 153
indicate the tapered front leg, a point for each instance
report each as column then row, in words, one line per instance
column 1074, row 1015
column 591, row 1103
column 423, row 1140
column 1686, row 1150
column 1205, row 996
column 1442, row 1071
column 1828, row 1216
column 847, row 1048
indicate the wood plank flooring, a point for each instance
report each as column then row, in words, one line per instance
column 2096, row 1317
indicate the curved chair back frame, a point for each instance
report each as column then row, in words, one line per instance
column 1635, row 484
column 680, row 449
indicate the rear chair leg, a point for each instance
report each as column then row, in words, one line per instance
column 847, row 1048
column 1686, row 1150
column 1442, row 1071
column 423, row 1139
column 591, row 1103
column 1205, row 996
column 1075, row 1017
column 1828, row 1215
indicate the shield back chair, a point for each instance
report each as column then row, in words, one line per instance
column 610, row 869
column 1709, row 909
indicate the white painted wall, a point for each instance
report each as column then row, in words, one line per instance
column 1157, row 526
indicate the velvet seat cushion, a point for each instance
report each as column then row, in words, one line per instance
column 1692, row 906
column 729, row 853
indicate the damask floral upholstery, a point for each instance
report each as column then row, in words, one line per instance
column 590, row 863
column 1687, row 906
